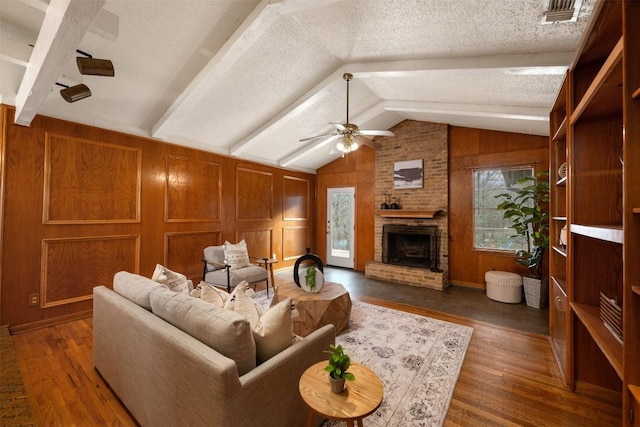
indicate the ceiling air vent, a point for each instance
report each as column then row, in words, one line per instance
column 561, row 11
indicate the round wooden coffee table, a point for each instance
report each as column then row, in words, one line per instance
column 361, row 397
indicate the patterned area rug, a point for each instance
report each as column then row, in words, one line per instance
column 417, row 358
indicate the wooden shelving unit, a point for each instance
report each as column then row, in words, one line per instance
column 589, row 315
column 594, row 123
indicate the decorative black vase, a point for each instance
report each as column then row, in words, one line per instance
column 308, row 256
column 384, row 204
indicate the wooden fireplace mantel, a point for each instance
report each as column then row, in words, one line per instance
column 401, row 213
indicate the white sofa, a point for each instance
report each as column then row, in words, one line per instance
column 167, row 377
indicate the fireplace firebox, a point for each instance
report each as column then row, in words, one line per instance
column 411, row 245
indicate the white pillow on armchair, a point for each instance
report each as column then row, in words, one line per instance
column 236, row 255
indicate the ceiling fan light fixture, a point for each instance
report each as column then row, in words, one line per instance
column 74, row 93
column 95, row 67
column 347, row 144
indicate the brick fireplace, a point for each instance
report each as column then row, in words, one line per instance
column 429, row 142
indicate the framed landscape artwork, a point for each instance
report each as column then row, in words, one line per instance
column 407, row 174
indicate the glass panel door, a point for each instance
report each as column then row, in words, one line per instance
column 340, row 226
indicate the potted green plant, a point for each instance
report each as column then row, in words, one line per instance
column 339, row 363
column 527, row 207
column 310, row 278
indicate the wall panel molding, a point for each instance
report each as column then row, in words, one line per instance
column 91, row 182
column 254, row 195
column 193, row 190
column 259, row 241
column 72, row 267
column 184, row 251
column 295, row 199
column 294, row 242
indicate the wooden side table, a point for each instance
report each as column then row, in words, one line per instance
column 361, row 397
column 331, row 305
column 268, row 265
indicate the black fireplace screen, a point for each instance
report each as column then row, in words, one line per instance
column 410, row 245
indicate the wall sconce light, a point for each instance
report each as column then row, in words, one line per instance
column 74, row 93
column 91, row 66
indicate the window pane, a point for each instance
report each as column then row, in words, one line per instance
column 341, row 224
column 491, row 230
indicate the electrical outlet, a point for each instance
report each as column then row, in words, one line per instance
column 34, row 299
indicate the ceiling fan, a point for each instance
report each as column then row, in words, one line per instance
column 349, row 136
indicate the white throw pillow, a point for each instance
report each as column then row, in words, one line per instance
column 175, row 281
column 242, row 287
column 236, row 255
column 274, row 331
column 246, row 306
column 213, row 295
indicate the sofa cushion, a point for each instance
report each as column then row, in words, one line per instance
column 135, row 288
column 236, row 255
column 177, row 282
column 274, row 331
column 242, row 303
column 226, row 332
column 213, row 295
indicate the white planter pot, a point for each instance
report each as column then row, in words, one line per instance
column 536, row 292
column 317, row 287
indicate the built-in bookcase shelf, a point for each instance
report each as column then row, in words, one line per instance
column 561, row 283
column 589, row 315
column 605, row 86
column 562, row 131
column 609, row 233
column 562, row 251
column 600, row 97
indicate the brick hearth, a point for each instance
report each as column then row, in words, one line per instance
column 407, row 275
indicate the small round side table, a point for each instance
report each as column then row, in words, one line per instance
column 360, row 398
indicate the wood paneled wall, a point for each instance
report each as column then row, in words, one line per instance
column 81, row 203
column 357, row 170
column 476, row 148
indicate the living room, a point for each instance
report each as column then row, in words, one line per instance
column 81, row 201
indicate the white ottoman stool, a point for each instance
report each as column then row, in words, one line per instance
column 504, row 286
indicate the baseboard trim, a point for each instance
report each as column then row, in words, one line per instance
column 45, row 323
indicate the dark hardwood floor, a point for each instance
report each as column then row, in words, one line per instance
column 459, row 300
column 509, row 376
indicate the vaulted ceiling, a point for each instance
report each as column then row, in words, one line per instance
column 251, row 78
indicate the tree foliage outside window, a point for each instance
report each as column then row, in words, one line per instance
column 341, row 221
column 491, row 230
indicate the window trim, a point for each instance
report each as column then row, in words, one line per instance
column 474, row 170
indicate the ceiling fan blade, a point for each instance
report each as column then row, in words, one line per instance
column 339, row 126
column 376, row 132
column 370, row 143
column 316, row 137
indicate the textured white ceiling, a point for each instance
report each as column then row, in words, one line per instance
column 251, row 78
